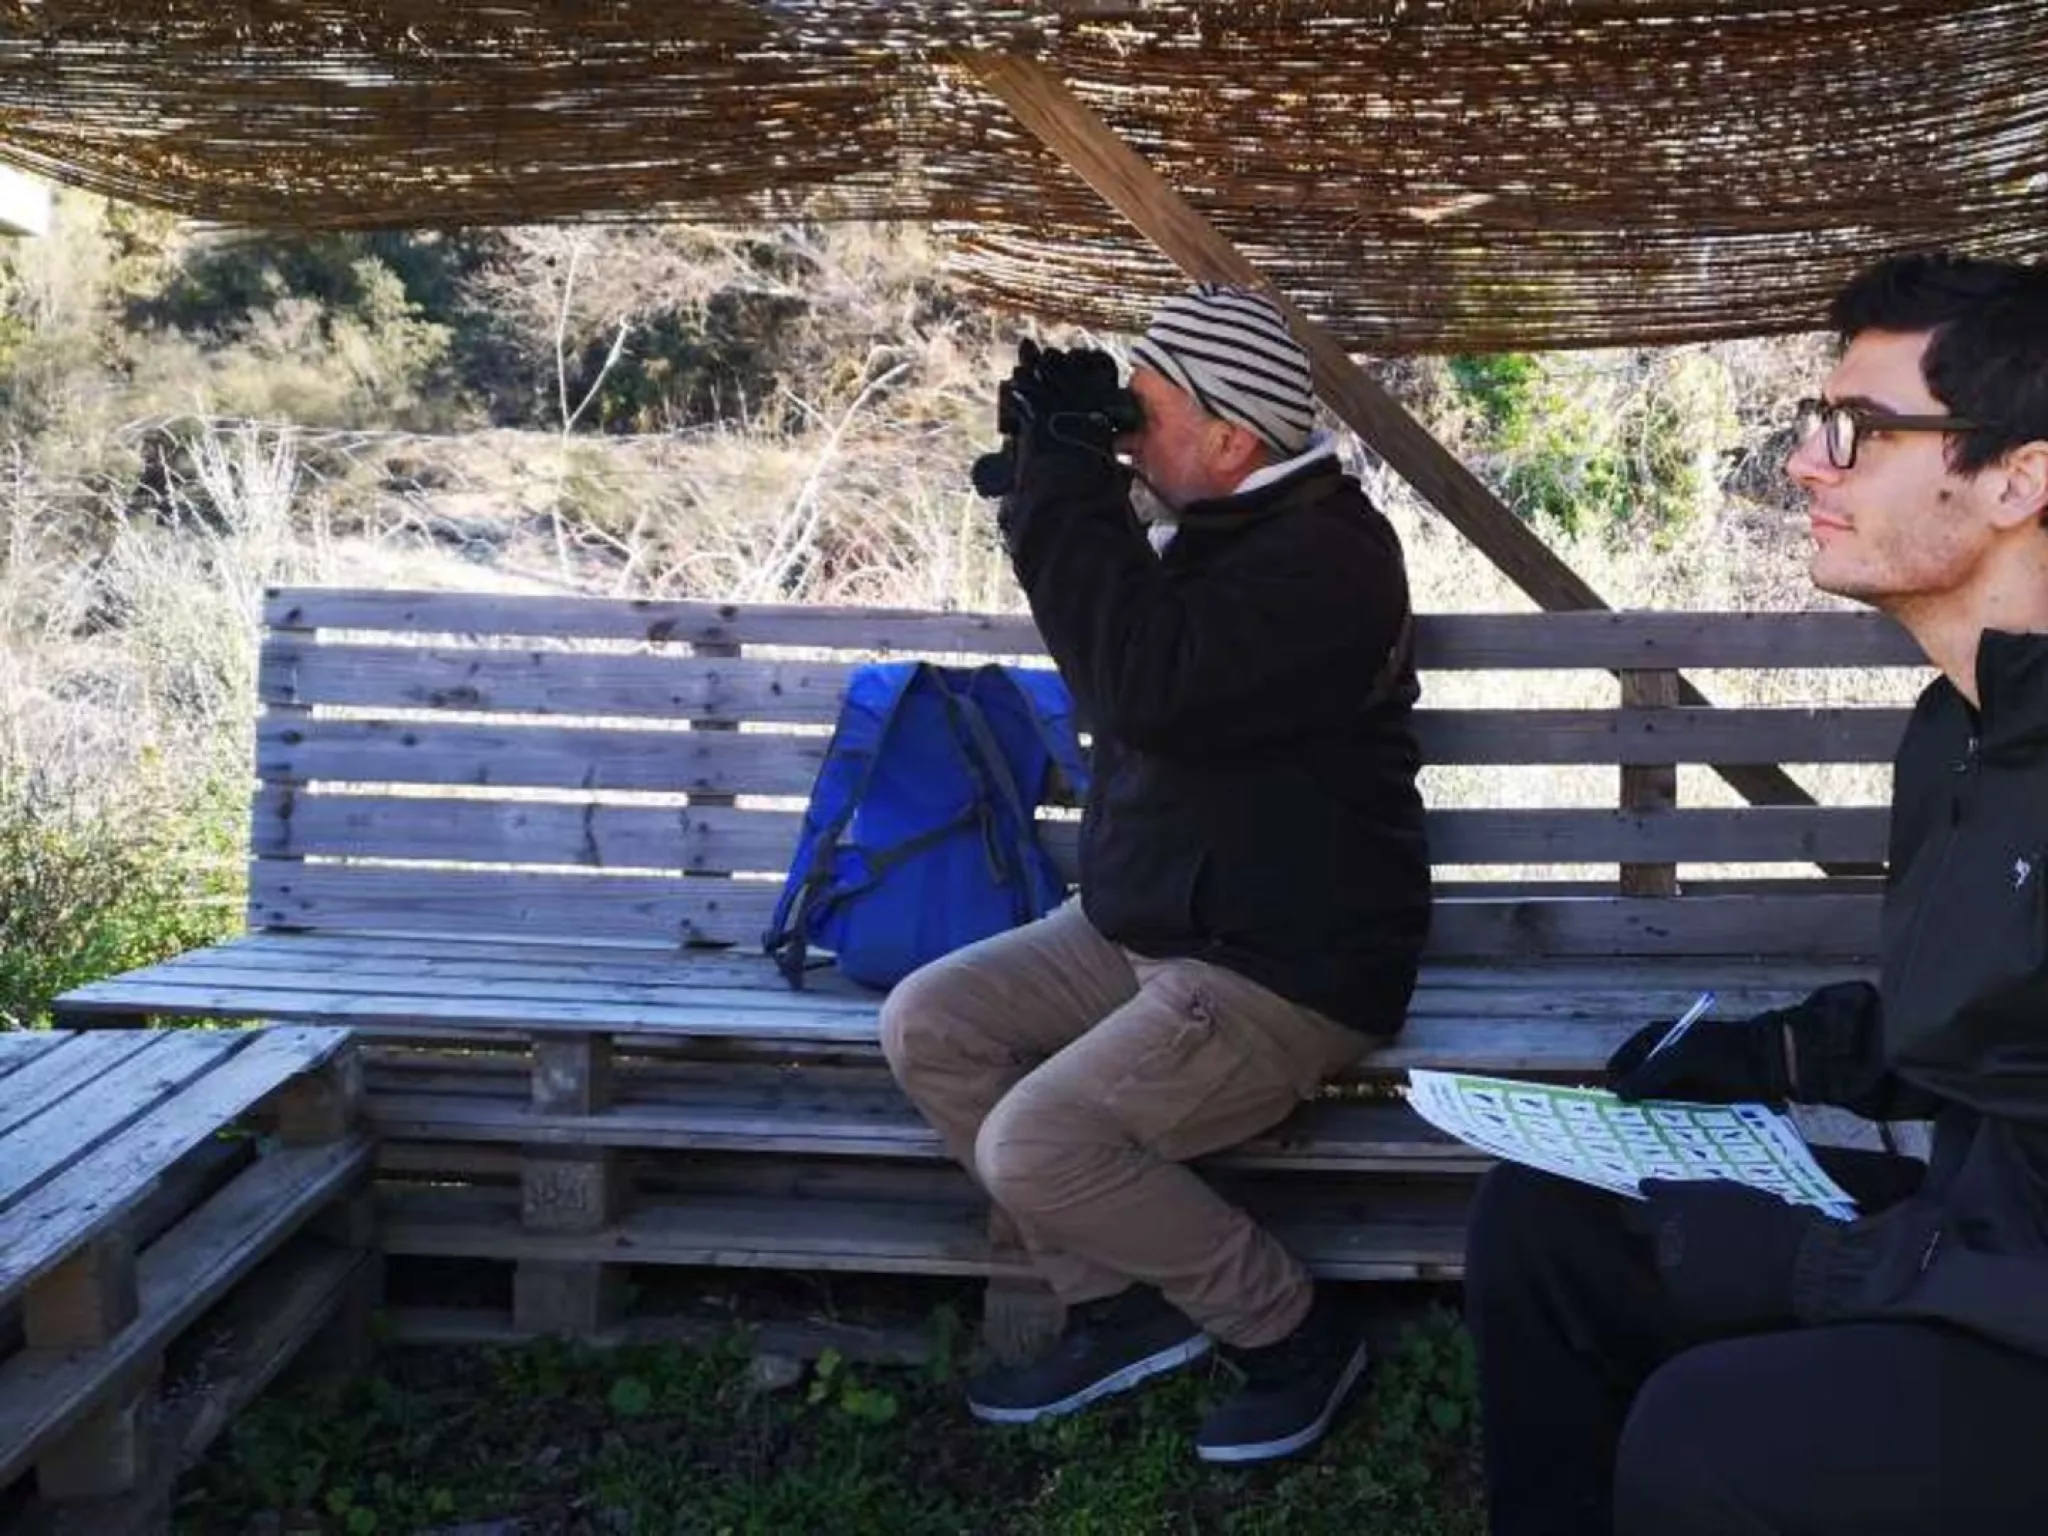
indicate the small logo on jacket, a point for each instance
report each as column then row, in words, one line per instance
column 2022, row 872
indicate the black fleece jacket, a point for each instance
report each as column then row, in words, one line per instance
column 1254, row 800
column 1957, row 1028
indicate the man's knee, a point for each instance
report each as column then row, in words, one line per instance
column 1682, row 1468
column 1520, row 1218
column 1030, row 1156
column 919, row 1020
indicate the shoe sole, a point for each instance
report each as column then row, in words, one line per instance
column 1300, row 1440
column 1117, row 1381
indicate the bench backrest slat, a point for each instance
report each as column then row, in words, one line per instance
column 455, row 763
column 719, row 839
column 298, row 750
column 1445, row 642
column 664, row 911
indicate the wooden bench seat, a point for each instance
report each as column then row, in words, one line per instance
column 1542, row 1016
column 126, row 1217
column 525, row 847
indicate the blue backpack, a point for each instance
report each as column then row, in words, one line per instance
column 919, row 837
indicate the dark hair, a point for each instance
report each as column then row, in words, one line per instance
column 1988, row 356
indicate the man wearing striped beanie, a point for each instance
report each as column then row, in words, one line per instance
column 1254, row 884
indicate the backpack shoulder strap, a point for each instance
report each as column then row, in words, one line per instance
column 1051, row 708
column 842, row 782
column 997, row 779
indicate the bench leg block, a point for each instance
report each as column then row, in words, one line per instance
column 87, row 1299
column 1020, row 1315
column 107, row 1455
column 569, row 1190
column 575, row 1300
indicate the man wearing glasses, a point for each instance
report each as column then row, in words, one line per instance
column 1710, row 1359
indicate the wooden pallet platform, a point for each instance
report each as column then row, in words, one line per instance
column 145, row 1179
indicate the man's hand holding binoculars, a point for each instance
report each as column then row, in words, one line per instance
column 1058, row 406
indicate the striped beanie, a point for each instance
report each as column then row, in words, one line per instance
column 1230, row 348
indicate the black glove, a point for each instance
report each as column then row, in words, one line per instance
column 1727, row 1253
column 1055, row 404
column 1069, row 400
column 1713, row 1063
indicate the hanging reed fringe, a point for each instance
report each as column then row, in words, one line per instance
column 1420, row 175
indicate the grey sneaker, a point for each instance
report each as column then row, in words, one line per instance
column 1292, row 1389
column 1107, row 1346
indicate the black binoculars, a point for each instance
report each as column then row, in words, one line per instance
column 1123, row 413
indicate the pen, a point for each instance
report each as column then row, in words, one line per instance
column 1686, row 1021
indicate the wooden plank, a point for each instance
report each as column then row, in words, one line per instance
column 798, row 1338
column 1746, row 835
column 100, row 1188
column 704, row 762
column 1622, row 641
column 1520, row 737
column 553, row 998
column 260, row 1330
column 55, row 1075
column 880, row 631
column 48, row 1144
column 880, row 1123
column 1558, row 1034
column 701, row 839
column 503, row 986
column 551, row 682
column 1463, row 642
column 736, row 980
column 596, row 835
column 695, row 688
column 298, row 751
column 373, row 899
column 755, row 971
column 45, row 1393
column 19, row 1047
column 1351, row 1240
column 1805, row 926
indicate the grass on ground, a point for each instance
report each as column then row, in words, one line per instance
column 557, row 1438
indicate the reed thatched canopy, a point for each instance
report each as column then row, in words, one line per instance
column 1418, row 174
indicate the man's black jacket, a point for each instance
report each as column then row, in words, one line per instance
column 1957, row 1029
column 1254, row 800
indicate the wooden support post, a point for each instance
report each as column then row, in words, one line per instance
column 346, row 1344
column 107, row 1454
column 320, row 1106
column 87, row 1299
column 1649, row 789
column 577, row 1301
column 82, row 1304
column 569, row 1189
column 1042, row 102
column 1020, row 1315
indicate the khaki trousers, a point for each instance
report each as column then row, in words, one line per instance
column 1074, row 1080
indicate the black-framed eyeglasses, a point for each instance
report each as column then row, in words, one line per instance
column 1842, row 426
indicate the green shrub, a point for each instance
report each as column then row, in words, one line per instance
column 95, row 883
column 1613, row 444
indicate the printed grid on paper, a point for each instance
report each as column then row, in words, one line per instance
column 1589, row 1135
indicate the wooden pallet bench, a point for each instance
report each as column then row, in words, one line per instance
column 526, row 847
column 174, row 1195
